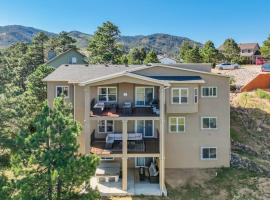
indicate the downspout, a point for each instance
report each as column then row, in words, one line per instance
column 74, row 101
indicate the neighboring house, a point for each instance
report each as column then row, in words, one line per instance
column 71, row 56
column 166, row 60
column 142, row 120
column 261, row 81
column 249, row 50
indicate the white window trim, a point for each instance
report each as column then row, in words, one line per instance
column 136, row 88
column 209, row 128
column 208, row 147
column 177, row 124
column 105, row 131
column 180, row 102
column 107, row 94
column 153, row 129
column 196, row 89
column 209, row 88
column 62, row 87
column 75, row 60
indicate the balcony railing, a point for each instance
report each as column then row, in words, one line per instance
column 102, row 146
column 125, row 109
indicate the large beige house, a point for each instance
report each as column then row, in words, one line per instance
column 142, row 120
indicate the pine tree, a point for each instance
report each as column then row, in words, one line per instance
column 265, row 49
column 136, row 56
column 35, row 85
column 151, row 57
column 184, row 49
column 103, row 46
column 209, row 53
column 231, row 51
column 193, row 55
column 37, row 49
column 47, row 162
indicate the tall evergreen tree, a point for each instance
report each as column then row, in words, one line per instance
column 231, row 51
column 136, row 56
column 193, row 55
column 265, row 48
column 35, row 85
column 37, row 49
column 103, row 46
column 151, row 57
column 61, row 43
column 209, row 53
column 47, row 162
column 184, row 49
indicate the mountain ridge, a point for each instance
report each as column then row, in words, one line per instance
column 162, row 43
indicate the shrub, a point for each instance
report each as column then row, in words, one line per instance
column 263, row 94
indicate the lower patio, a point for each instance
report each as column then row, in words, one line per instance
column 135, row 186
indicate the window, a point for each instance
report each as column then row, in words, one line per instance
column 73, row 60
column 208, row 153
column 179, row 95
column 143, row 161
column 144, row 96
column 105, row 126
column 195, row 95
column 62, row 90
column 107, row 94
column 209, row 122
column 209, row 91
column 177, row 124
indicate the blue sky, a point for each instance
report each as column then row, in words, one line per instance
column 200, row 20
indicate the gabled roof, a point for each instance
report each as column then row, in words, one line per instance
column 243, row 46
column 81, row 73
column 126, row 73
column 248, row 45
column 64, row 53
column 85, row 74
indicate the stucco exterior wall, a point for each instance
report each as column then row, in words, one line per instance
column 189, row 107
column 183, row 150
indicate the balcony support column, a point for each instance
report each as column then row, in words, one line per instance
column 161, row 139
column 86, row 128
column 124, row 152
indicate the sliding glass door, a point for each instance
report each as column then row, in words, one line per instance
column 144, row 96
column 146, row 127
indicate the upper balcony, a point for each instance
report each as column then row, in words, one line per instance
column 123, row 110
column 124, row 100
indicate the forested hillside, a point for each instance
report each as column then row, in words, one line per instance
column 161, row 43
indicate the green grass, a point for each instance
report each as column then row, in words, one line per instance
column 235, row 135
column 228, row 181
column 262, row 94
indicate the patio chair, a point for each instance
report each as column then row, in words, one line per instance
column 109, row 142
column 153, row 173
column 127, row 108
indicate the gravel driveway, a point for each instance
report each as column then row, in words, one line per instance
column 242, row 75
